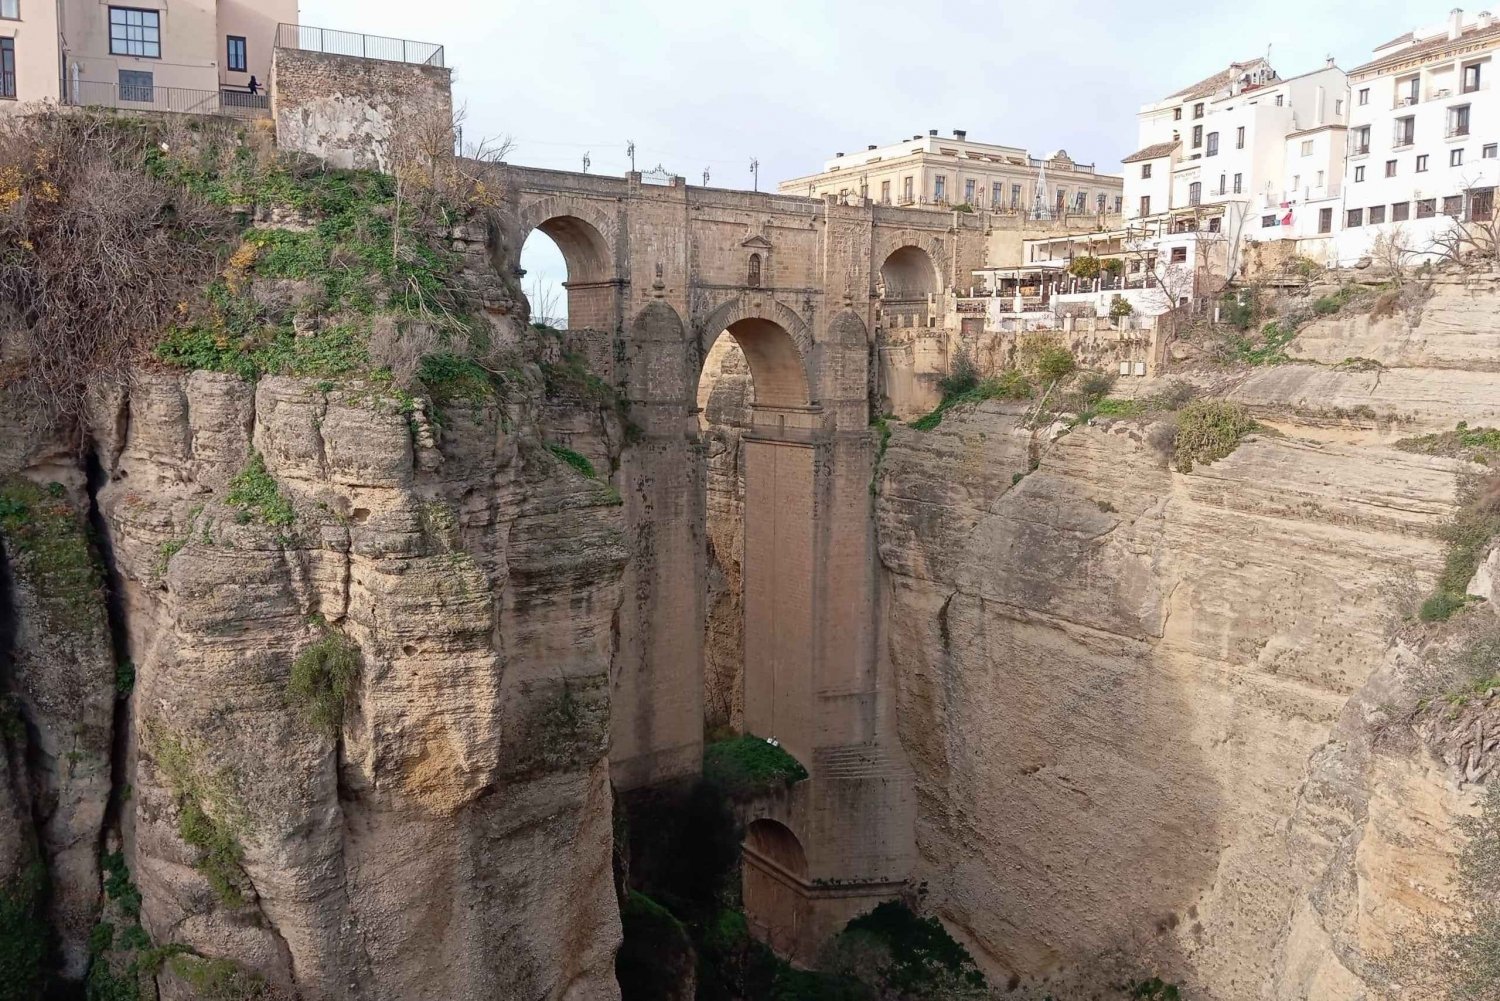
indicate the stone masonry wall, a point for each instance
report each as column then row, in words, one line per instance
column 350, row 111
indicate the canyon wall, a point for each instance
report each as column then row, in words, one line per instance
column 1145, row 707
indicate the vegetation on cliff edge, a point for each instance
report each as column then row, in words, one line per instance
column 747, row 766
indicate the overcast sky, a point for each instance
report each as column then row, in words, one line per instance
column 709, row 84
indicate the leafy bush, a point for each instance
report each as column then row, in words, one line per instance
column 322, row 679
column 656, row 952
column 1094, row 386
column 1209, row 430
column 897, row 951
column 962, row 375
column 1120, row 307
column 1468, row 534
column 1235, row 311
column 1085, row 267
column 1481, row 444
column 23, row 934
column 219, row 853
column 1269, row 350
column 747, row 766
column 218, row 979
column 256, row 495
column 48, row 543
column 1008, row 385
column 579, row 463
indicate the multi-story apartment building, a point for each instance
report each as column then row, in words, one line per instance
column 941, row 172
column 183, row 56
column 1423, row 135
column 1240, row 156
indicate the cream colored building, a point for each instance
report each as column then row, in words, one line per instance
column 942, row 172
column 187, row 55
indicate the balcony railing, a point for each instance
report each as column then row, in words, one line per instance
column 176, row 100
column 348, row 43
column 1455, row 131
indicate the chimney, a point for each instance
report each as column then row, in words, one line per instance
column 932, row 132
column 917, row 136
column 1329, row 63
column 1455, row 23
column 960, row 135
column 871, row 146
column 837, row 155
column 1486, row 19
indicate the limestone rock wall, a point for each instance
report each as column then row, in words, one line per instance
column 451, row 837
column 1135, row 701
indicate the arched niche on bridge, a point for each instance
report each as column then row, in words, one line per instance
column 582, row 237
column 774, row 880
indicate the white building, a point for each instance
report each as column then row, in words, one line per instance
column 1240, row 156
column 1425, row 121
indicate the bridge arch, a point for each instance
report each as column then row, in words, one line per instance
column 587, row 239
column 776, row 341
column 775, row 885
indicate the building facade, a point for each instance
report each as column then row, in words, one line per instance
column 1240, row 157
column 191, row 55
column 1422, row 143
column 945, row 173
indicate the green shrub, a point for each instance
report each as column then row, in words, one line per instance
column 747, row 766
column 962, row 375
column 217, row 979
column 1120, row 307
column 219, row 853
column 1085, row 267
column 1008, row 385
column 656, row 953
column 48, row 544
column 1270, row 349
column 579, row 463
column 1468, row 534
column 917, row 956
column 1236, row 312
column 1209, row 430
column 1481, row 444
column 23, row 934
column 256, row 495
column 322, row 679
column 1155, row 989
column 1094, row 386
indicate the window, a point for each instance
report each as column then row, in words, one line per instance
column 1320, row 179
column 1198, row 110
column 753, row 278
column 1081, row 201
column 1421, row 163
column 1145, row 205
column 8, row 68
column 137, row 86
column 134, row 32
column 1471, row 78
column 1267, row 221
column 1239, row 183
column 1119, row 203
column 1213, row 224
column 1356, row 218
column 1178, row 256
column 1413, row 88
column 1145, row 170
column 1296, row 181
column 10, row 10
column 1359, row 174
column 1390, row 168
column 1101, row 201
column 997, row 195
column 1176, row 114
column 1062, row 199
column 940, row 187
column 1325, row 220
column 1361, row 143
column 1223, row 182
column 1488, row 153
column 237, row 61
column 969, row 191
column 1406, row 132
column 1195, row 193
column 1197, row 136
column 1364, row 95
column 885, row 192
column 906, row 196
column 1456, row 157
column 1458, row 121
column 1481, row 204
column 1426, row 208
column 1015, row 196
column 1213, row 144
column 1377, row 214
column 1307, row 147
column 1280, row 100
column 1401, row 211
column 1239, row 137
column 1453, row 205
column 1338, row 106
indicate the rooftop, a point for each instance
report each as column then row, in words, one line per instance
column 1415, row 47
column 1155, row 152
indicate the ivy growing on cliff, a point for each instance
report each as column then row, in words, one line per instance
column 211, row 818
column 257, row 496
column 48, row 544
column 323, row 677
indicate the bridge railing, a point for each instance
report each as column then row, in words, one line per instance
column 308, row 38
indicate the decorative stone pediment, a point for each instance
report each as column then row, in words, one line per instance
column 756, row 242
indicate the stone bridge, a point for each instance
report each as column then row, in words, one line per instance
column 808, row 289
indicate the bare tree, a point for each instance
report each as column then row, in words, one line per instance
column 1392, row 250
column 545, row 302
column 1475, row 237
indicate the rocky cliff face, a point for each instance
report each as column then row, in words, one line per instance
column 1151, row 712
column 316, row 666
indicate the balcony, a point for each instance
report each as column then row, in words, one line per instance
column 1363, row 149
column 1403, row 142
column 173, row 100
column 1456, row 131
column 1405, row 101
column 307, row 38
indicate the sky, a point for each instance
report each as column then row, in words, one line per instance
column 705, row 84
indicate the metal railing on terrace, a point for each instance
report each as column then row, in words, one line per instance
column 177, row 100
column 349, row 43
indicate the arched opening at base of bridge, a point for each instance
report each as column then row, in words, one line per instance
column 569, row 281
column 775, row 886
